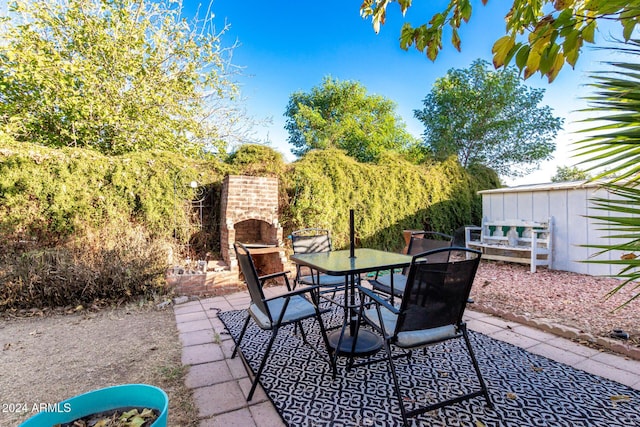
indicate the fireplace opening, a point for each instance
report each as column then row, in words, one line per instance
column 256, row 233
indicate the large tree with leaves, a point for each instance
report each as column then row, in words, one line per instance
column 541, row 35
column 114, row 75
column 490, row 118
column 569, row 173
column 340, row 114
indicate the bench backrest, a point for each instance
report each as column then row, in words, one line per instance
column 502, row 232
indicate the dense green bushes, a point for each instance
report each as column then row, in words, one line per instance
column 77, row 226
column 388, row 197
column 49, row 194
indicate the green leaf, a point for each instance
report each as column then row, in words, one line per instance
column 627, row 28
column 432, row 50
column 588, row 32
column 404, row 5
column 522, row 56
column 437, row 20
column 136, row 422
column 501, row 49
column 511, row 53
column 548, row 58
column 555, row 68
column 564, row 19
column 572, row 57
column 455, row 39
column 571, row 41
column 533, row 63
column 406, row 36
column 465, row 11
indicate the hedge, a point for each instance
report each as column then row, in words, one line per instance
column 65, row 212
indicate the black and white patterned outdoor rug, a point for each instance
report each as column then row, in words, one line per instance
column 526, row 389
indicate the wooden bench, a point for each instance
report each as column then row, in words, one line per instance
column 511, row 240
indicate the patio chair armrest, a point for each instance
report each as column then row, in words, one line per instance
column 273, row 275
column 284, row 274
column 297, row 291
column 378, row 300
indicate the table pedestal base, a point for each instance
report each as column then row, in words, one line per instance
column 367, row 343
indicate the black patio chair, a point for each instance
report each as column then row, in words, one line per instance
column 431, row 312
column 312, row 240
column 275, row 312
column 421, row 241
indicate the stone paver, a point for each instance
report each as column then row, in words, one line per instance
column 239, row 418
column 265, row 415
column 189, row 307
column 218, row 399
column 508, row 335
column 191, row 316
column 607, row 371
column 203, row 336
column 482, row 327
column 207, row 374
column 201, row 353
column 572, row 347
column 195, row 325
column 557, row 354
column 220, row 384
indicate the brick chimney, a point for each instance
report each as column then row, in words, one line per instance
column 249, row 214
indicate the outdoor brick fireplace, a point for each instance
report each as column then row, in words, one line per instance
column 249, row 214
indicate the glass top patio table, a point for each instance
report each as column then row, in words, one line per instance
column 339, row 263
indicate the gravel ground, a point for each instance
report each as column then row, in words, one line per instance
column 575, row 300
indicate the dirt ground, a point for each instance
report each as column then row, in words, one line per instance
column 46, row 359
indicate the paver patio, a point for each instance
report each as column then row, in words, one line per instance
column 220, row 384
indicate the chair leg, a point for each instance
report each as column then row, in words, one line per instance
column 274, row 332
column 323, row 332
column 303, row 334
column 244, row 329
column 483, row 386
column 396, row 384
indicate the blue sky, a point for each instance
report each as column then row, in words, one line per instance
column 288, row 46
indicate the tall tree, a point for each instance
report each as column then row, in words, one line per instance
column 341, row 114
column 114, row 75
column 489, row 118
column 569, row 173
column 555, row 29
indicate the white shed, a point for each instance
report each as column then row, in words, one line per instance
column 569, row 204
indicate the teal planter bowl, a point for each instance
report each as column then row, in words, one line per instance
column 105, row 399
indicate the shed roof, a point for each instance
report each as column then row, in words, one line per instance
column 547, row 186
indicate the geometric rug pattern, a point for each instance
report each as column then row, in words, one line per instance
column 526, row 389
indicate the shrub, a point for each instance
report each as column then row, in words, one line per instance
column 388, row 197
column 118, row 262
column 79, row 227
column 47, row 195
